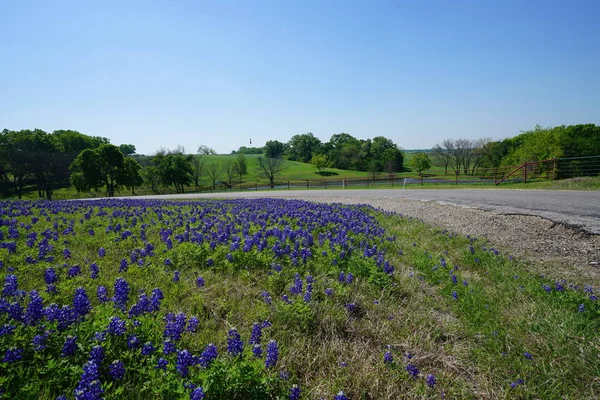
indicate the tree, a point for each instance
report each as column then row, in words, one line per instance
column 213, row 172
column 229, row 167
column 274, row 149
column 131, row 176
column 174, row 168
column 197, row 169
column 302, row 147
column 101, row 166
column 205, row 150
column 420, row 163
column 241, row 165
column 319, row 161
column 127, row 149
column 441, row 156
column 271, row 168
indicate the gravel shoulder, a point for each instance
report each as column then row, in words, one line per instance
column 552, row 249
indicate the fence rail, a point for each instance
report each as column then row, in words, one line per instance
column 559, row 168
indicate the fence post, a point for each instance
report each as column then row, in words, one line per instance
column 256, row 186
column 325, row 183
column 288, row 185
column 307, row 186
column 554, row 168
column 525, row 173
column 344, row 184
column 367, row 181
column 457, row 173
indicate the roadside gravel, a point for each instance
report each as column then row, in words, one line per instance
column 552, row 249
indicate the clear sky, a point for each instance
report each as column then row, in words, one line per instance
column 219, row 73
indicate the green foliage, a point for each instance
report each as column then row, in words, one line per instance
column 127, row 149
column 104, row 165
column 274, row 149
column 420, row 163
column 173, row 168
column 302, row 147
column 319, row 161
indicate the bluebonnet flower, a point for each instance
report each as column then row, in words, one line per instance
column 295, row 392
column 256, row 334
column 528, row 356
column 284, row 375
column 81, row 303
column 102, row 294
column 133, row 342
column 329, row 291
column 257, row 351
column 66, row 253
column 454, row 279
column 210, row 262
column 388, row 358
column 349, row 278
column 454, row 295
column 235, row 344
column 465, row 283
column 142, row 306
column 101, row 252
column 517, row 383
column 197, row 394
column 12, row 354
column 39, row 342
column 297, row 286
column 116, row 326
column 175, row 325
column 124, row 266
column 412, row 370
column 10, row 285
column 266, row 297
column 96, row 354
column 559, row 286
column 272, row 354
column 74, row 271
column 50, row 276
column 286, row 299
column 350, row 307
column 7, row 330
column 208, row 355
column 431, row 381
column 51, row 288
column 176, row 276
column 116, row 370
column 169, row 347
column 342, row 277
column 193, row 324
column 121, row 293
column 61, row 397
column 184, row 360
column 167, row 262
column 155, row 299
column 199, row 281
column 162, row 364
column 547, row 288
column 340, row 396
column 147, row 349
column 34, row 311
column 89, row 384
column 581, row 308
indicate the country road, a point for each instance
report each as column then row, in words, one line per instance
column 574, row 208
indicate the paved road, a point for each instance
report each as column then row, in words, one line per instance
column 577, row 208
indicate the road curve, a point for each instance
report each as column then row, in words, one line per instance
column 574, row 208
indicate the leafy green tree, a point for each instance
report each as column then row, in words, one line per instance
column 420, row 163
column 131, row 176
column 319, row 161
column 174, row 168
column 302, row 147
column 229, row 168
column 205, row 150
column 127, row 149
column 274, row 149
column 101, row 166
column 270, row 168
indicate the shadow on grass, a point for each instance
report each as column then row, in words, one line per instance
column 327, row 173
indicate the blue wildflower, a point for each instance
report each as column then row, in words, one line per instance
column 412, row 370
column 272, row 354
column 208, row 355
column 340, row 396
column 197, row 394
column 235, row 345
column 162, row 364
column 121, row 293
column 295, row 392
column 116, row 370
column 430, row 380
column 81, row 303
column 199, row 282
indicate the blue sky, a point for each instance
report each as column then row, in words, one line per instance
column 167, row 73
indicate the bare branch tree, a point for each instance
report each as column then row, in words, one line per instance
column 229, row 167
column 213, row 172
column 270, row 168
column 197, row 169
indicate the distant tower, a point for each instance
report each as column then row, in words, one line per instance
column 250, row 141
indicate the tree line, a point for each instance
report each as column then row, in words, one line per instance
column 465, row 156
column 342, row 151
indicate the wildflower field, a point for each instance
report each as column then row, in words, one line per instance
column 277, row 299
